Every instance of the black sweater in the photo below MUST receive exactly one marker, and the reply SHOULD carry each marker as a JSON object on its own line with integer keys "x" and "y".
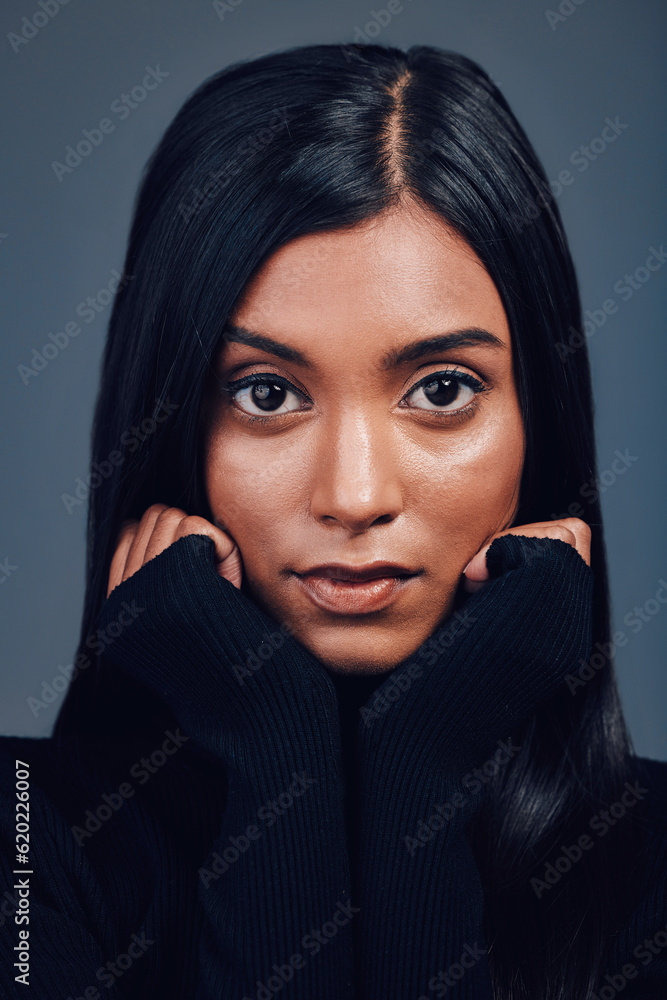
{"x": 259, "y": 846}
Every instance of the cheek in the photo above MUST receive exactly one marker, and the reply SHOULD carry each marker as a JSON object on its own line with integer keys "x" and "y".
{"x": 249, "y": 495}
{"x": 470, "y": 488}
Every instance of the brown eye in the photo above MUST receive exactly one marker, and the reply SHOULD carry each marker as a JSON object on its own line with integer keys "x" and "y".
{"x": 265, "y": 395}
{"x": 260, "y": 394}
{"x": 447, "y": 391}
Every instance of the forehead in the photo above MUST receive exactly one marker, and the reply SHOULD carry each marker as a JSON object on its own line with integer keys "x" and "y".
{"x": 396, "y": 276}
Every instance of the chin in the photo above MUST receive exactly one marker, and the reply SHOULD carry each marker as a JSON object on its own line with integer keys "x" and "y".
{"x": 358, "y": 667}
{"x": 366, "y": 656}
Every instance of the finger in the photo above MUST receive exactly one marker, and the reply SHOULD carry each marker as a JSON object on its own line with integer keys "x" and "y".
{"x": 165, "y": 531}
{"x": 477, "y": 568}
{"x": 227, "y": 555}
{"x": 168, "y": 515}
{"x": 173, "y": 523}
{"x": 583, "y": 534}
{"x": 160, "y": 526}
{"x": 119, "y": 559}
{"x": 572, "y": 530}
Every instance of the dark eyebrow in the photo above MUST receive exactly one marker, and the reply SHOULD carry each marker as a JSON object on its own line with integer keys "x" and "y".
{"x": 441, "y": 342}
{"x": 468, "y": 337}
{"x": 264, "y": 343}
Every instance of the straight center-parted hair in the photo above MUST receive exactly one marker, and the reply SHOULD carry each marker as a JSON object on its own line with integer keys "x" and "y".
{"x": 314, "y": 139}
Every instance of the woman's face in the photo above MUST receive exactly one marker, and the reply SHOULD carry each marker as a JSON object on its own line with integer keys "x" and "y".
{"x": 364, "y": 449}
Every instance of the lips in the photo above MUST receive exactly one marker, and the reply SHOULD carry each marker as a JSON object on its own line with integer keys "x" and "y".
{"x": 349, "y": 590}
{"x": 369, "y": 571}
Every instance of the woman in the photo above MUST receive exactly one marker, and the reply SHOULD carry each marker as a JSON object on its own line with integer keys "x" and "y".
{"x": 343, "y": 718}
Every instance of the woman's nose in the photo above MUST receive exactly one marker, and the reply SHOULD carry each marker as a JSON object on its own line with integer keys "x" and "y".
{"x": 356, "y": 473}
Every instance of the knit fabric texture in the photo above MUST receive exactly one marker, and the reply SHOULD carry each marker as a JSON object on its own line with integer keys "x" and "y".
{"x": 293, "y": 833}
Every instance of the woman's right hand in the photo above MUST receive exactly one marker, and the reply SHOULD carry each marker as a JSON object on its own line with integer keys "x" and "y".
{"x": 211, "y": 651}
{"x": 139, "y": 541}
{"x": 262, "y": 716}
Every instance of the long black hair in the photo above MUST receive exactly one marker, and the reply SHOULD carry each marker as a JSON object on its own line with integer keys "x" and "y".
{"x": 317, "y": 138}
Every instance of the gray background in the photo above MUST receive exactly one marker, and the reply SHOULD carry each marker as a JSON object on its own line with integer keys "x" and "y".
{"x": 60, "y": 241}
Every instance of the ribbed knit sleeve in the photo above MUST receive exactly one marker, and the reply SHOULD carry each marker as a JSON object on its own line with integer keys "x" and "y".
{"x": 212, "y": 860}
{"x": 450, "y": 708}
{"x": 275, "y": 886}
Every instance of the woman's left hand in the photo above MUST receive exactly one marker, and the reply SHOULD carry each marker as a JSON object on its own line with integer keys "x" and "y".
{"x": 570, "y": 529}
